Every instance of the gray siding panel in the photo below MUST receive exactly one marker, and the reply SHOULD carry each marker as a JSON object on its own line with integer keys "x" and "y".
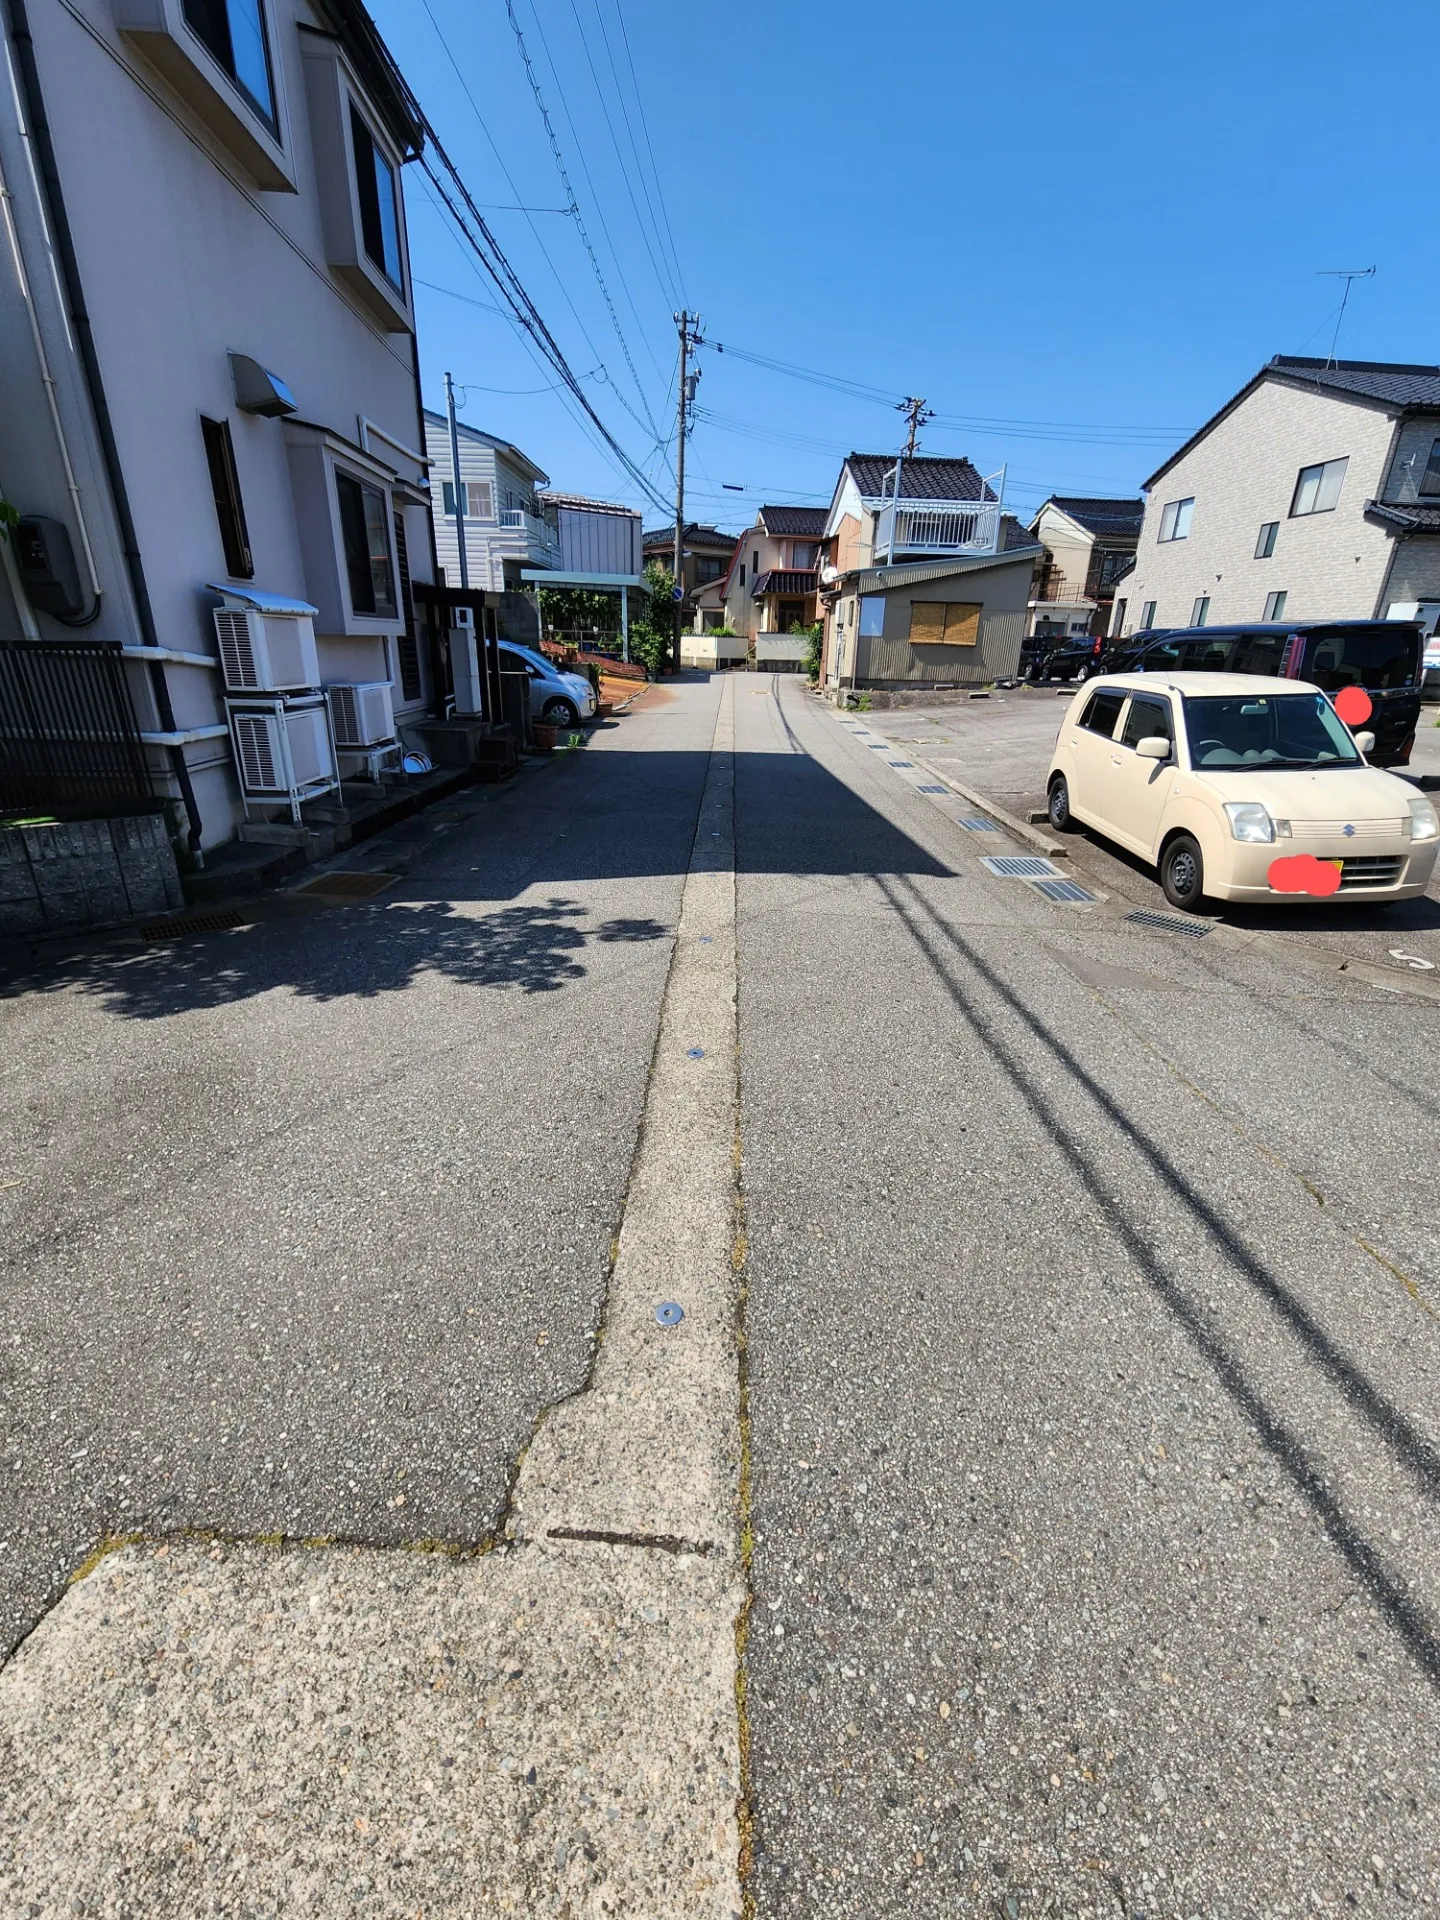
{"x": 593, "y": 542}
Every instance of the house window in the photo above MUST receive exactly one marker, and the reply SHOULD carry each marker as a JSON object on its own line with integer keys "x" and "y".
{"x": 233, "y": 31}
{"x": 1430, "y": 479}
{"x": 1200, "y": 612}
{"x": 707, "y": 567}
{"x": 944, "y": 623}
{"x": 755, "y": 563}
{"x": 229, "y": 507}
{"x": 366, "y": 533}
{"x": 872, "y": 615}
{"x": 1175, "y": 519}
{"x": 479, "y": 499}
{"x": 1265, "y": 545}
{"x": 742, "y": 573}
{"x": 802, "y": 553}
{"x": 1275, "y": 606}
{"x": 1147, "y": 615}
{"x": 1118, "y": 624}
{"x": 379, "y": 215}
{"x": 1317, "y": 489}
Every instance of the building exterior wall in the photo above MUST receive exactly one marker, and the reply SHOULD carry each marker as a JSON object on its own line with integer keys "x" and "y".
{"x": 184, "y": 259}
{"x": 1409, "y": 460}
{"x": 594, "y": 541}
{"x": 1242, "y": 474}
{"x": 1414, "y": 573}
{"x": 889, "y": 660}
{"x": 742, "y": 612}
{"x": 489, "y": 542}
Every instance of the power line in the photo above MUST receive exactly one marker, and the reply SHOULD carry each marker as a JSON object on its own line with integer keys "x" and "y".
{"x": 649, "y": 147}
{"x": 672, "y": 291}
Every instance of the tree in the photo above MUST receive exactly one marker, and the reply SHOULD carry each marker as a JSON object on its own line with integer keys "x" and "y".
{"x": 652, "y": 631}
{"x": 816, "y": 636}
{"x": 579, "y": 610}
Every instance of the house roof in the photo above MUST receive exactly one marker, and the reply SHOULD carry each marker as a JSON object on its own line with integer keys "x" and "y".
{"x": 784, "y": 580}
{"x": 581, "y": 503}
{"x": 1016, "y": 536}
{"x": 1106, "y": 519}
{"x": 1411, "y": 518}
{"x": 803, "y": 520}
{"x": 923, "y": 478}
{"x": 478, "y": 434}
{"x": 909, "y": 574}
{"x": 697, "y": 532}
{"x": 1397, "y": 386}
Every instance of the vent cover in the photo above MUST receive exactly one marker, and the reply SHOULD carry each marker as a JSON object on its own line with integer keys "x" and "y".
{"x": 237, "y": 654}
{"x": 1170, "y": 923}
{"x": 349, "y": 886}
{"x": 1063, "y": 890}
{"x": 1021, "y": 866}
{"x": 189, "y": 923}
{"x": 256, "y": 744}
{"x": 977, "y": 823}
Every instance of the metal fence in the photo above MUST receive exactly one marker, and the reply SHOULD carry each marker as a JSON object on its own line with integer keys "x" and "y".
{"x": 69, "y": 740}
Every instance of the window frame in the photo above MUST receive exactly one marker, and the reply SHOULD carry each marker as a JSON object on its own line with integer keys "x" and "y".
{"x": 967, "y": 616}
{"x": 389, "y": 615}
{"x": 1170, "y": 520}
{"x": 1275, "y": 605}
{"x": 269, "y": 119}
{"x": 1153, "y": 700}
{"x": 1320, "y": 469}
{"x": 1428, "y": 485}
{"x": 1147, "y": 615}
{"x": 1266, "y": 538}
{"x": 219, "y": 445}
{"x": 1119, "y": 696}
{"x": 165, "y": 35}
{"x": 1200, "y": 612}
{"x": 371, "y": 201}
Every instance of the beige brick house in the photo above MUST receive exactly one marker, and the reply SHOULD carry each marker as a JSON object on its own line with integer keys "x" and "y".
{"x": 1313, "y": 494}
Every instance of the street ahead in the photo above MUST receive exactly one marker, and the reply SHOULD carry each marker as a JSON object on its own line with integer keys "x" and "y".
{"x": 1090, "y": 1370}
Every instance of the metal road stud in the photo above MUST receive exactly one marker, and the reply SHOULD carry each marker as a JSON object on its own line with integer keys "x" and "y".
{"x": 669, "y": 1314}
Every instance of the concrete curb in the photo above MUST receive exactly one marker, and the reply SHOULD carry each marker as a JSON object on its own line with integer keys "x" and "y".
{"x": 1042, "y": 842}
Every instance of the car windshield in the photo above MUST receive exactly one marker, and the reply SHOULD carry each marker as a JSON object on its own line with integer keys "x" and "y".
{"x": 1379, "y": 657}
{"x": 1273, "y": 730}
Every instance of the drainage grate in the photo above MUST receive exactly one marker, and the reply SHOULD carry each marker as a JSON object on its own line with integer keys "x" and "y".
{"x": 349, "y": 886}
{"x": 1021, "y": 866}
{"x": 902, "y": 763}
{"x": 932, "y": 789}
{"x": 977, "y": 823}
{"x": 1170, "y": 923}
{"x": 190, "y": 923}
{"x": 878, "y": 746}
{"x": 1062, "y": 890}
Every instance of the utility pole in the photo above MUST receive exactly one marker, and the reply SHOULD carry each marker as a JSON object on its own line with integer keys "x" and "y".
{"x": 455, "y": 480}
{"x": 918, "y": 412}
{"x": 686, "y": 396}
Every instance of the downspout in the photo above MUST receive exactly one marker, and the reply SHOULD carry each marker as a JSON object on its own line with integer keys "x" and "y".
{"x": 44, "y": 147}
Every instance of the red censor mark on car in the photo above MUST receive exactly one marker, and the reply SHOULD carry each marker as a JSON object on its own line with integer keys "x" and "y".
{"x": 1303, "y": 873}
{"x": 1354, "y": 706}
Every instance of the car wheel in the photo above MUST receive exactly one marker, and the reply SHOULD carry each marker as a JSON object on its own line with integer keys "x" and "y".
{"x": 561, "y": 713}
{"x": 1061, "y": 818}
{"x": 1182, "y": 873}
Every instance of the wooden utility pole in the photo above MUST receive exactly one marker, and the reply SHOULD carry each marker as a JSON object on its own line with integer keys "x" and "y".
{"x": 918, "y": 412}
{"x": 684, "y": 320}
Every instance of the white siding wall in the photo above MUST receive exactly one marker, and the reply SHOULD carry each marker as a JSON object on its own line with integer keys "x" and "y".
{"x": 1243, "y": 473}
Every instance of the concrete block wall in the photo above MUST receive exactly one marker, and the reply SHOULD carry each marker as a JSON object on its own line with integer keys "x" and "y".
{"x": 86, "y": 873}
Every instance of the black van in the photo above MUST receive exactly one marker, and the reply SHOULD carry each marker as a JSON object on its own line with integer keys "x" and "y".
{"x": 1383, "y": 656}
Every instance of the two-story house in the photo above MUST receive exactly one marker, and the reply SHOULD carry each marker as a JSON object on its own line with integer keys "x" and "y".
{"x": 1313, "y": 494}
{"x": 509, "y": 525}
{"x": 1089, "y": 545}
{"x": 770, "y": 586}
{"x": 207, "y": 353}
{"x": 924, "y": 579}
{"x": 705, "y": 554}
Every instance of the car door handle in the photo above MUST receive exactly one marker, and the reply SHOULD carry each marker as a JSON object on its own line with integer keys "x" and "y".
{"x": 1116, "y": 761}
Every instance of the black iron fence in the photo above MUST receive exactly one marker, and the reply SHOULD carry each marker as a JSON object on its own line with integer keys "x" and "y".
{"x": 69, "y": 740}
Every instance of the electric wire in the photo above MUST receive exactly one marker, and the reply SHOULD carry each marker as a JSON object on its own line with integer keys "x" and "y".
{"x": 640, "y": 114}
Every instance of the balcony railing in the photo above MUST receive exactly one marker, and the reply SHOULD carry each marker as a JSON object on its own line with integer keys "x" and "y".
{"x": 536, "y": 532}
{"x": 939, "y": 527}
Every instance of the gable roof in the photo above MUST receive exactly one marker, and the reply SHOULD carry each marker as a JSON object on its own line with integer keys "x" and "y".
{"x": 698, "y": 531}
{"x": 1106, "y": 519}
{"x": 478, "y": 434}
{"x": 1396, "y": 386}
{"x": 802, "y": 520}
{"x": 923, "y": 478}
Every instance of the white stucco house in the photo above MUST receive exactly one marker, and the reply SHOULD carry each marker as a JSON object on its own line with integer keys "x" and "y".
{"x": 211, "y": 398}
{"x": 1313, "y": 494}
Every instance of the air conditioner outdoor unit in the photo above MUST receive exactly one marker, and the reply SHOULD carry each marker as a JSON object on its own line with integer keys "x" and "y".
{"x": 261, "y": 740}
{"x": 266, "y": 652}
{"x": 363, "y": 715}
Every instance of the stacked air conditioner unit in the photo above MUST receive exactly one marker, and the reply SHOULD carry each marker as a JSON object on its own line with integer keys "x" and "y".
{"x": 266, "y": 652}
{"x": 283, "y": 750}
{"x": 364, "y": 716}
{"x": 279, "y": 715}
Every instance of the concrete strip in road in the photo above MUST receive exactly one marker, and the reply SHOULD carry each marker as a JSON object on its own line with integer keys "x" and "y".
{"x": 551, "y": 1727}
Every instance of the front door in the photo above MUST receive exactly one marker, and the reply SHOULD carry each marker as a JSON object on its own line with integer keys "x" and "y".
{"x": 1136, "y": 789}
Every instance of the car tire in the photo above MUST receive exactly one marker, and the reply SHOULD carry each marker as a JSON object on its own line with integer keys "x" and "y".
{"x": 561, "y": 713}
{"x": 1060, "y": 816}
{"x": 1182, "y": 873}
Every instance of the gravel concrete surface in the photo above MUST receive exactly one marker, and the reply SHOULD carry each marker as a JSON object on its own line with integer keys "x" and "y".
{"x": 1094, "y": 1385}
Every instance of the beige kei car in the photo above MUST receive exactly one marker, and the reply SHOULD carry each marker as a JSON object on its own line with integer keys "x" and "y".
{"x": 1238, "y": 787}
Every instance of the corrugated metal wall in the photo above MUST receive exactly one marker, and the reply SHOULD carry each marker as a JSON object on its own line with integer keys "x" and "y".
{"x": 1002, "y": 592}
{"x": 593, "y": 542}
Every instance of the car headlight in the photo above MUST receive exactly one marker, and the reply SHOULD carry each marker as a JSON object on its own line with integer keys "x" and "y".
{"x": 1249, "y": 820}
{"x": 1423, "y": 822}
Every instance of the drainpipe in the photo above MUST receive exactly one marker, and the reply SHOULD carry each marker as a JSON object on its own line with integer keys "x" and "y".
{"x": 44, "y": 147}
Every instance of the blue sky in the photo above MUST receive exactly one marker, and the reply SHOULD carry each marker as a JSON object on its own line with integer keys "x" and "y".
{"x": 1076, "y": 229}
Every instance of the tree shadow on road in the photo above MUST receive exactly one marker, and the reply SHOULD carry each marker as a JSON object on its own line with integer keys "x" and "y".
{"x": 355, "y": 952}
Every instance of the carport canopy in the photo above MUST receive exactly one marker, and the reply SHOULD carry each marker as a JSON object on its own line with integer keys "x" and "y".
{"x": 620, "y": 583}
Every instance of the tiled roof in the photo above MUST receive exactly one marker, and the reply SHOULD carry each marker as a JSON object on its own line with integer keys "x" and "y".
{"x": 784, "y": 580}
{"x": 1015, "y": 534}
{"x": 802, "y": 520}
{"x": 1107, "y": 519}
{"x": 1411, "y": 518}
{"x": 921, "y": 478}
{"x": 696, "y": 531}
{"x": 1397, "y": 382}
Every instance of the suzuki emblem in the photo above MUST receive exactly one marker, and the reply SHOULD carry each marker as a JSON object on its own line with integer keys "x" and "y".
{"x": 1349, "y": 832}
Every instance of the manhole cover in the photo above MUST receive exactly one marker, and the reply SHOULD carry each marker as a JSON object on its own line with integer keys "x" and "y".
{"x": 349, "y": 886}
{"x": 190, "y": 923}
{"x": 1021, "y": 866}
{"x": 1062, "y": 890}
{"x": 977, "y": 823}
{"x": 1170, "y": 923}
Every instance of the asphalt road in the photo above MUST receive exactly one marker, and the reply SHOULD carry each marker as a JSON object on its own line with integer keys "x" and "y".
{"x": 304, "y": 1224}
{"x": 1094, "y": 1385}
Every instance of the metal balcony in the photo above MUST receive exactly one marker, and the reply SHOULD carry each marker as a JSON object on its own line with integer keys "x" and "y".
{"x": 939, "y": 529}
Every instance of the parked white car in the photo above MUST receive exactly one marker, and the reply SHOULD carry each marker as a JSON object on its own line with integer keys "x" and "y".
{"x": 1239, "y": 787}
{"x": 557, "y": 698}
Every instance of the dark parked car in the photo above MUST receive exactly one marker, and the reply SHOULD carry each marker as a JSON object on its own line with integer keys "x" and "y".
{"x": 1382, "y": 656}
{"x": 1059, "y": 656}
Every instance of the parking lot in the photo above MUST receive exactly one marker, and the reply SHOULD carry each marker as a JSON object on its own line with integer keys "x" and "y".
{"x": 1000, "y": 747}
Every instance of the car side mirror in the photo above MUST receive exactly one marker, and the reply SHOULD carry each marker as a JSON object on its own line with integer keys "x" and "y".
{"x": 1154, "y": 747}
{"x": 1365, "y": 741}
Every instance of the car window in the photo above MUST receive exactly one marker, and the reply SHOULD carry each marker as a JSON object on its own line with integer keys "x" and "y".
{"x": 1267, "y": 731}
{"x": 1145, "y": 720}
{"x": 1210, "y": 655}
{"x": 1164, "y": 657}
{"x": 1376, "y": 657}
{"x": 1102, "y": 710}
{"x": 1258, "y": 653}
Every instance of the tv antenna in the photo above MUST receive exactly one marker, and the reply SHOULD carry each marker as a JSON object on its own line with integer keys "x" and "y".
{"x": 1349, "y": 275}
